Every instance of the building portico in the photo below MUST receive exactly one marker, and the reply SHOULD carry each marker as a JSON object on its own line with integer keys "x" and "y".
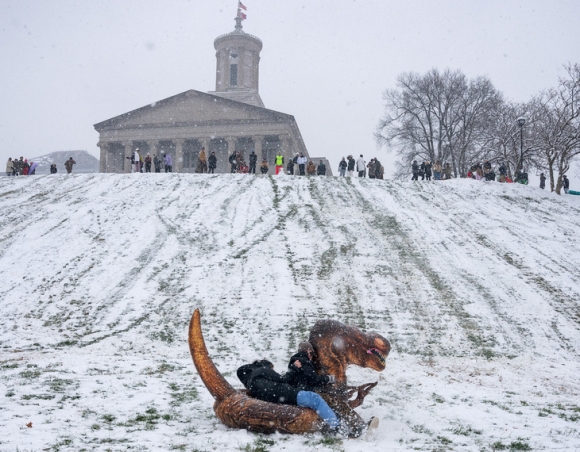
{"x": 231, "y": 118}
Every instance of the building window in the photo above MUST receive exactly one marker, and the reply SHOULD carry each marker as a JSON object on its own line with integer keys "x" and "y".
{"x": 233, "y": 75}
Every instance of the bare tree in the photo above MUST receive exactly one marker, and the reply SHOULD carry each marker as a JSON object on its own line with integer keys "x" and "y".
{"x": 438, "y": 116}
{"x": 556, "y": 129}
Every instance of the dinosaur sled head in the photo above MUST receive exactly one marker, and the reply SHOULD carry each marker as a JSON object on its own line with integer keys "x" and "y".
{"x": 338, "y": 345}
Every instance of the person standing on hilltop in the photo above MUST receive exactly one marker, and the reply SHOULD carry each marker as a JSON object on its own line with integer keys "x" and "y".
{"x": 302, "y": 164}
{"x": 437, "y": 168}
{"x": 69, "y": 165}
{"x": 233, "y": 161}
{"x": 542, "y": 181}
{"x": 565, "y": 183}
{"x": 253, "y": 162}
{"x": 53, "y": 169}
{"x": 428, "y": 170}
{"x": 137, "y": 161}
{"x": 156, "y": 163}
{"x": 422, "y": 171}
{"x": 9, "y": 166}
{"x": 447, "y": 171}
{"x": 415, "y": 169}
{"x": 321, "y": 169}
{"x": 350, "y": 166}
{"x": 502, "y": 172}
{"x": 342, "y": 167}
{"x": 168, "y": 163}
{"x": 290, "y": 167}
{"x": 25, "y": 167}
{"x": 279, "y": 162}
{"x": 371, "y": 167}
{"x": 148, "y": 163}
{"x": 361, "y": 166}
{"x": 379, "y": 169}
{"x": 18, "y": 165}
{"x": 201, "y": 162}
{"x": 212, "y": 160}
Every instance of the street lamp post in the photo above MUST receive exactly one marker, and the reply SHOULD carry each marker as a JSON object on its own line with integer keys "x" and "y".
{"x": 521, "y": 122}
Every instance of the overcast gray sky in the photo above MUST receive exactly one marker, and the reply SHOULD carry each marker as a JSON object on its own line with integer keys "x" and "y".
{"x": 68, "y": 64}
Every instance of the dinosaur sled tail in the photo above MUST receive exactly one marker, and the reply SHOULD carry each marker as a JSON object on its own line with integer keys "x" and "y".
{"x": 213, "y": 380}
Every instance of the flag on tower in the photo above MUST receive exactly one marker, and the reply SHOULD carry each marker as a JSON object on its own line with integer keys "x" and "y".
{"x": 241, "y": 6}
{"x": 241, "y": 15}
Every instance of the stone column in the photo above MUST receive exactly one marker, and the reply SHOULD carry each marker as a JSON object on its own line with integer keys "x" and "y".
{"x": 153, "y": 151}
{"x": 231, "y": 144}
{"x": 231, "y": 148}
{"x": 258, "y": 147}
{"x": 152, "y": 148}
{"x": 103, "y": 167}
{"x": 178, "y": 156}
{"x": 128, "y": 151}
{"x": 285, "y": 147}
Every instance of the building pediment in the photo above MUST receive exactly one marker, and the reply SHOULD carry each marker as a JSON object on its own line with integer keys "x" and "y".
{"x": 192, "y": 108}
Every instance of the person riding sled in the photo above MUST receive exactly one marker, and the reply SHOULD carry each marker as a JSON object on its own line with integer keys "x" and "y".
{"x": 302, "y": 375}
{"x": 263, "y": 383}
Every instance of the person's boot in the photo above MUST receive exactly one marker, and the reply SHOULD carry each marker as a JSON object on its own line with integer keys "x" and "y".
{"x": 373, "y": 424}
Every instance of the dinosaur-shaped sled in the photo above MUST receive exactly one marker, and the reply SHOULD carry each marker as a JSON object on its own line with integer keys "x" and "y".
{"x": 336, "y": 345}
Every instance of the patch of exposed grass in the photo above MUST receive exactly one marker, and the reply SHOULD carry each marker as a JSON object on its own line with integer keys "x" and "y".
{"x": 181, "y": 395}
{"x": 261, "y": 444}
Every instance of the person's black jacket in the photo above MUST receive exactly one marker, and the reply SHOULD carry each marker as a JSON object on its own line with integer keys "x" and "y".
{"x": 351, "y": 163}
{"x": 342, "y": 165}
{"x": 253, "y": 159}
{"x": 268, "y": 385}
{"x": 305, "y": 377}
{"x": 415, "y": 168}
{"x": 53, "y": 169}
{"x": 566, "y": 183}
{"x": 232, "y": 159}
{"x": 212, "y": 160}
{"x": 321, "y": 170}
{"x": 428, "y": 169}
{"x": 502, "y": 170}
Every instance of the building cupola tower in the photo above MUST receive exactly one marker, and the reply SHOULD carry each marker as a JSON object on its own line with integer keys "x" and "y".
{"x": 238, "y": 66}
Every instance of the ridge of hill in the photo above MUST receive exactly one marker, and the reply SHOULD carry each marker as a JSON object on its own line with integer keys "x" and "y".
{"x": 476, "y": 285}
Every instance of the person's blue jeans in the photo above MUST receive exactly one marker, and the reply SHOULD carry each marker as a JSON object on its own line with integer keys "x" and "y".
{"x": 315, "y": 402}
{"x": 342, "y": 172}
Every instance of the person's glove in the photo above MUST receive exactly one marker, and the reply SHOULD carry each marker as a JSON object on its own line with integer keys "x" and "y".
{"x": 331, "y": 379}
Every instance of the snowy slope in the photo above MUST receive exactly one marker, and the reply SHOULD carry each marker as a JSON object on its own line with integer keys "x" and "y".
{"x": 477, "y": 286}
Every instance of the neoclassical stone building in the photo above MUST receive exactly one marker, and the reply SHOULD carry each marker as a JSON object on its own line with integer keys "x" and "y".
{"x": 231, "y": 117}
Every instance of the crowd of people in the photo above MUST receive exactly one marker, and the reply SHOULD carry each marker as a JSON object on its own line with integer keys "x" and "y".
{"x": 348, "y": 165}
{"x": 22, "y": 167}
{"x": 147, "y": 164}
{"x": 479, "y": 171}
{"x": 299, "y": 164}
{"x": 426, "y": 170}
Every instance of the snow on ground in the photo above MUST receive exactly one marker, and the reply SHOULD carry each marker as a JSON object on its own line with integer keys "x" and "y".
{"x": 477, "y": 286}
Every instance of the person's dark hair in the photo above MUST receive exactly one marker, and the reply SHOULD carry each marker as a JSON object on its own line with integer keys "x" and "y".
{"x": 305, "y": 347}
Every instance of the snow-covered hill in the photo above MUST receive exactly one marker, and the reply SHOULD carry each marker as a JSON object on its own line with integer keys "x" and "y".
{"x": 477, "y": 286}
